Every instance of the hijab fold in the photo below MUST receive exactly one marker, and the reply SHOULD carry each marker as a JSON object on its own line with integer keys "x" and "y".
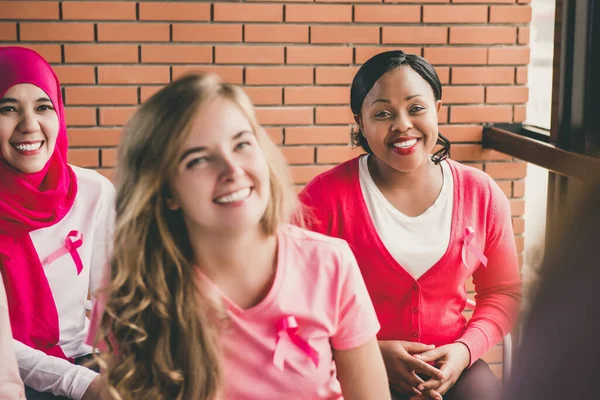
{"x": 29, "y": 202}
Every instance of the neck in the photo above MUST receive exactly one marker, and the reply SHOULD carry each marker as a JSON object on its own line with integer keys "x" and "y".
{"x": 389, "y": 178}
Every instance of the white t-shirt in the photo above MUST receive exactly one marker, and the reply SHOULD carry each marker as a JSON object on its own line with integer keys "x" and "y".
{"x": 416, "y": 243}
{"x": 93, "y": 215}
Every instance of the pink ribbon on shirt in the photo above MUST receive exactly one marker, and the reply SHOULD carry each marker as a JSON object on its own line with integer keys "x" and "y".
{"x": 72, "y": 242}
{"x": 287, "y": 328}
{"x": 471, "y": 247}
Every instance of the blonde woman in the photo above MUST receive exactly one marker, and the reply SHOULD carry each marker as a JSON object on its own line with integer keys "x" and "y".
{"x": 213, "y": 294}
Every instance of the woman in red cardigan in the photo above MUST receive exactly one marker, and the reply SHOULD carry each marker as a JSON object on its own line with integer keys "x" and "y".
{"x": 420, "y": 225}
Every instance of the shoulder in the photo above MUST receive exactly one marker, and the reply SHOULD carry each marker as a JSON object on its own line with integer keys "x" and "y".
{"x": 338, "y": 179}
{"x": 475, "y": 180}
{"x": 91, "y": 182}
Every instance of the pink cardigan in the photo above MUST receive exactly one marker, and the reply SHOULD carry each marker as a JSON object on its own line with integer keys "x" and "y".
{"x": 11, "y": 386}
{"x": 430, "y": 309}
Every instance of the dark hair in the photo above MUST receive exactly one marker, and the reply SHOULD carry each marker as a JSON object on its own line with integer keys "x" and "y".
{"x": 373, "y": 69}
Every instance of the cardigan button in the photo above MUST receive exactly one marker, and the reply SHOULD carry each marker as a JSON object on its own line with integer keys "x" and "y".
{"x": 415, "y": 310}
{"x": 416, "y": 286}
{"x": 416, "y": 334}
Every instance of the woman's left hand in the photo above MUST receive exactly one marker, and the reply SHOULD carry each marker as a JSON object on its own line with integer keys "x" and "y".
{"x": 451, "y": 359}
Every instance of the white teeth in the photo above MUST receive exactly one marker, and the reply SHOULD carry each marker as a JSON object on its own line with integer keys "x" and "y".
{"x": 405, "y": 144}
{"x": 233, "y": 197}
{"x": 27, "y": 147}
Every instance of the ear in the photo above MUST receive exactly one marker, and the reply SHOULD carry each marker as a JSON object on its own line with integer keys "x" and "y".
{"x": 172, "y": 204}
{"x": 438, "y": 107}
{"x": 358, "y": 120}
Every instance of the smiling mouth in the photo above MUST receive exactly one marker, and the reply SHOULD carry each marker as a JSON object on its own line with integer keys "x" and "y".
{"x": 234, "y": 197}
{"x": 26, "y": 147}
{"x": 405, "y": 144}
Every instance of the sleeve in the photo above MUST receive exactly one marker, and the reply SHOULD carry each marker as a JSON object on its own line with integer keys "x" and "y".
{"x": 314, "y": 207}
{"x": 497, "y": 286}
{"x": 11, "y": 386}
{"x": 51, "y": 374}
{"x": 357, "y": 322}
{"x": 103, "y": 237}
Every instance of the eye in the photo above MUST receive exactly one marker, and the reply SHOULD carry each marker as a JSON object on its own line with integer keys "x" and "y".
{"x": 7, "y": 109}
{"x": 45, "y": 107}
{"x": 197, "y": 161}
{"x": 382, "y": 114}
{"x": 416, "y": 109}
{"x": 242, "y": 145}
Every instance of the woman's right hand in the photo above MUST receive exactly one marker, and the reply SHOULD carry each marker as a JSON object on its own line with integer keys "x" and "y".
{"x": 402, "y": 367}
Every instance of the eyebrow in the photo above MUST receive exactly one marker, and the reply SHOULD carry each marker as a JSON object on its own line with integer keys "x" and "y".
{"x": 407, "y": 98}
{"x": 11, "y": 100}
{"x": 203, "y": 148}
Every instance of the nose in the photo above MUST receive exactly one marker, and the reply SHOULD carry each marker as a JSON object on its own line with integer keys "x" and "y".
{"x": 231, "y": 169}
{"x": 28, "y": 123}
{"x": 402, "y": 123}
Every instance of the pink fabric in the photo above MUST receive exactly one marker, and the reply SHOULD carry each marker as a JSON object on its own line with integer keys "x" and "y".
{"x": 430, "y": 309}
{"x": 29, "y": 202}
{"x": 11, "y": 386}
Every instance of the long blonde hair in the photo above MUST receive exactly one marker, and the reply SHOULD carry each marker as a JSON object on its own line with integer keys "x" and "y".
{"x": 159, "y": 327}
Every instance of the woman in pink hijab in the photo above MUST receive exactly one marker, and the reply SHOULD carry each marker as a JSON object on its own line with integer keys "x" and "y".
{"x": 55, "y": 226}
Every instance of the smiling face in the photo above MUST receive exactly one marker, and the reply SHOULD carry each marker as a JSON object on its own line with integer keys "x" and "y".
{"x": 29, "y": 127}
{"x": 222, "y": 181}
{"x": 399, "y": 119}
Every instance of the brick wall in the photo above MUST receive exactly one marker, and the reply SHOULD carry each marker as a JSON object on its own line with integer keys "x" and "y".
{"x": 295, "y": 59}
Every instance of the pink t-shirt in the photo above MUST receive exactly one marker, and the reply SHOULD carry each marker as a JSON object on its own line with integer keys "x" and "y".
{"x": 317, "y": 282}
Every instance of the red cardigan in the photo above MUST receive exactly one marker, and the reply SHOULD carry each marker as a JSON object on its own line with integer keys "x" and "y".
{"x": 430, "y": 309}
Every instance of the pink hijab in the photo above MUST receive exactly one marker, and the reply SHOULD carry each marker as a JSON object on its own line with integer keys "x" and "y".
{"x": 29, "y": 202}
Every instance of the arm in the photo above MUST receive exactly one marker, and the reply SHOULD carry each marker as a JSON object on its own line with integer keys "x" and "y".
{"x": 11, "y": 387}
{"x": 361, "y": 372}
{"x": 497, "y": 286}
{"x": 315, "y": 215}
{"x": 51, "y": 374}
{"x": 103, "y": 236}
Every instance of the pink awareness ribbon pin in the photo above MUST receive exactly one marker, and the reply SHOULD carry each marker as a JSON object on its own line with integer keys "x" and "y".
{"x": 73, "y": 241}
{"x": 470, "y": 246}
{"x": 287, "y": 328}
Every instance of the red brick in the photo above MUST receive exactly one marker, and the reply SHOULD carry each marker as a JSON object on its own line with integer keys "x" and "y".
{"x": 265, "y": 95}
{"x": 520, "y": 113}
{"x": 56, "y": 31}
{"x": 517, "y": 207}
{"x": 463, "y": 94}
{"x": 8, "y": 31}
{"x": 94, "y": 95}
{"x": 241, "y": 12}
{"x": 506, "y": 94}
{"x": 276, "y": 134}
{"x": 133, "y": 74}
{"x": 474, "y": 152}
{"x": 227, "y": 73}
{"x": 344, "y": 34}
{"x": 24, "y": 10}
{"x": 211, "y": 33}
{"x": 319, "y": 55}
{"x": 279, "y": 33}
{"x": 51, "y": 52}
{"x": 483, "y": 35}
{"x": 481, "y": 75}
{"x": 334, "y": 115}
{"x": 170, "y": 11}
{"x": 456, "y": 55}
{"x": 299, "y": 154}
{"x": 462, "y": 133}
{"x": 116, "y": 116}
{"x": 148, "y": 91}
{"x": 337, "y": 154}
{"x": 387, "y": 14}
{"x": 279, "y": 75}
{"x": 108, "y": 157}
{"x": 80, "y": 116}
{"x": 108, "y": 173}
{"x": 415, "y": 34}
{"x": 98, "y": 10}
{"x": 443, "y": 74}
{"x": 519, "y": 188}
{"x": 85, "y": 158}
{"x": 318, "y": 13}
{"x": 179, "y": 54}
{"x": 510, "y": 14}
{"x": 284, "y": 115}
{"x": 317, "y": 135}
{"x": 506, "y": 187}
{"x": 335, "y": 75}
{"x": 522, "y": 73}
{"x": 317, "y": 95}
{"x": 249, "y": 55}
{"x": 412, "y": 1}
{"x": 346, "y": 1}
{"x": 69, "y": 74}
{"x": 133, "y": 32}
{"x": 482, "y": 1}
{"x": 518, "y": 225}
{"x": 101, "y": 53}
{"x": 443, "y": 115}
{"x": 455, "y": 14}
{"x": 506, "y": 170}
{"x": 523, "y": 35}
{"x": 470, "y": 114}
{"x": 363, "y": 53}
{"x": 305, "y": 173}
{"x": 509, "y": 55}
